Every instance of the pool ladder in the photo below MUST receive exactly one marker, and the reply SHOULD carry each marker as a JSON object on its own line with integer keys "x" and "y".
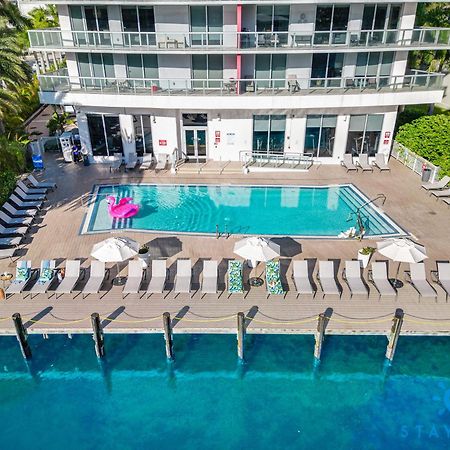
{"x": 225, "y": 233}
{"x": 358, "y": 210}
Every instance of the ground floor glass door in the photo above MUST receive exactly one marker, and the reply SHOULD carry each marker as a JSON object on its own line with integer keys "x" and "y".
{"x": 195, "y": 143}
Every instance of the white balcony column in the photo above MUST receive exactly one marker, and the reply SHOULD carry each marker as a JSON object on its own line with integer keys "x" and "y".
{"x": 229, "y": 26}
{"x": 115, "y": 25}
{"x": 83, "y": 130}
{"x": 407, "y": 20}
{"x": 72, "y": 69}
{"x": 340, "y": 138}
{"x": 387, "y": 133}
{"x": 355, "y": 17}
{"x": 128, "y": 137}
{"x": 65, "y": 26}
{"x": 399, "y": 67}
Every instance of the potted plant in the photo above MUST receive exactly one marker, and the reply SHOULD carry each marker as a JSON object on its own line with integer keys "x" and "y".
{"x": 364, "y": 255}
{"x": 143, "y": 254}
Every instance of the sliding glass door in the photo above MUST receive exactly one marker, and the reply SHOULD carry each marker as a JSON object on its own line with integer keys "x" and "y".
{"x": 269, "y": 134}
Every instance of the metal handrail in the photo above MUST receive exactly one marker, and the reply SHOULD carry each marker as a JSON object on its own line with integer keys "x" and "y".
{"x": 173, "y": 40}
{"x": 360, "y": 208}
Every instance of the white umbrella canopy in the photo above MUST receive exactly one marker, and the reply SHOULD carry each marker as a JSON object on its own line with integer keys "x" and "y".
{"x": 257, "y": 249}
{"x": 115, "y": 249}
{"x": 402, "y": 250}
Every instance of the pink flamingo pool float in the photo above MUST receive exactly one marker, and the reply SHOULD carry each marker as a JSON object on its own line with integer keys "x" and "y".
{"x": 123, "y": 209}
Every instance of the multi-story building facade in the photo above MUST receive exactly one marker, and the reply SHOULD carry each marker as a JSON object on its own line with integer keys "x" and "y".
{"x": 219, "y": 79}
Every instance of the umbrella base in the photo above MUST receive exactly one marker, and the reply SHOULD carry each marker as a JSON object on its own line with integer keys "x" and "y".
{"x": 396, "y": 283}
{"x": 119, "y": 281}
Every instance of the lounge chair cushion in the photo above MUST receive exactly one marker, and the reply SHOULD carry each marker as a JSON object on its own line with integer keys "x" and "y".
{"x": 46, "y": 275}
{"x": 22, "y": 274}
{"x": 235, "y": 277}
{"x": 273, "y": 278}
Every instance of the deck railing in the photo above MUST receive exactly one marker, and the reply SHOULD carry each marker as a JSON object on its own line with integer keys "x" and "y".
{"x": 415, "y": 162}
{"x": 175, "y": 40}
{"x": 60, "y": 81}
{"x": 299, "y": 161}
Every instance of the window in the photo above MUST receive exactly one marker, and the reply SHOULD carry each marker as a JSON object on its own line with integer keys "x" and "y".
{"x": 375, "y": 67}
{"x": 143, "y": 66}
{"x": 272, "y": 19}
{"x": 138, "y": 23}
{"x": 206, "y": 25}
{"x": 319, "y": 138}
{"x": 143, "y": 135}
{"x": 380, "y": 17}
{"x": 331, "y": 18}
{"x": 364, "y": 134}
{"x": 104, "y": 132}
{"x": 90, "y": 24}
{"x": 96, "y": 68}
{"x": 208, "y": 69}
{"x": 270, "y": 70}
{"x": 268, "y": 134}
{"x": 327, "y": 69}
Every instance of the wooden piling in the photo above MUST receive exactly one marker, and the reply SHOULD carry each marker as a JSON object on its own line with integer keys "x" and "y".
{"x": 319, "y": 336}
{"x": 22, "y": 336}
{"x": 240, "y": 335}
{"x": 98, "y": 335}
{"x": 395, "y": 333}
{"x": 168, "y": 335}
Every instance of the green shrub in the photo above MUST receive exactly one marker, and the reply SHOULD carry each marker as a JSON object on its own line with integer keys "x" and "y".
{"x": 7, "y": 184}
{"x": 429, "y": 137}
{"x": 12, "y": 156}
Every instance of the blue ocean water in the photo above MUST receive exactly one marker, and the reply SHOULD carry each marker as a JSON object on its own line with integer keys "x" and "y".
{"x": 283, "y": 211}
{"x": 67, "y": 400}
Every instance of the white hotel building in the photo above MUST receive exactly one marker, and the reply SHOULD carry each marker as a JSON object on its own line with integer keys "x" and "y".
{"x": 222, "y": 80}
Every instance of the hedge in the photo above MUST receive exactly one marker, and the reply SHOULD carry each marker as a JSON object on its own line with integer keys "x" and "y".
{"x": 429, "y": 137}
{"x": 12, "y": 163}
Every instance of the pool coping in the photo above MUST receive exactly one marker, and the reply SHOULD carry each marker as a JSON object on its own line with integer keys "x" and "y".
{"x": 83, "y": 230}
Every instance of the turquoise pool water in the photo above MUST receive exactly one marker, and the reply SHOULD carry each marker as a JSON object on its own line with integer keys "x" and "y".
{"x": 206, "y": 400}
{"x": 283, "y": 211}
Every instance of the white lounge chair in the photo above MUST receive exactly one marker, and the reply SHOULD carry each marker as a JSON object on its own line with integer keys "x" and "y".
{"x": 134, "y": 279}
{"x": 41, "y": 184}
{"x": 46, "y": 277}
{"x": 209, "y": 277}
{"x": 7, "y": 253}
{"x": 446, "y": 200}
{"x": 302, "y": 281}
{"x": 352, "y": 276}
{"x": 96, "y": 278}
{"x": 25, "y": 221}
{"x": 10, "y": 242}
{"x": 443, "y": 193}
{"x": 71, "y": 277}
{"x": 131, "y": 163}
{"x": 161, "y": 162}
{"x": 363, "y": 162}
{"x": 183, "y": 277}
{"x": 442, "y": 277}
{"x": 19, "y": 212}
{"x": 31, "y": 191}
{"x": 25, "y": 204}
{"x": 116, "y": 162}
{"x": 327, "y": 279}
{"x": 147, "y": 161}
{"x": 24, "y": 274}
{"x": 13, "y": 230}
{"x": 347, "y": 162}
{"x": 159, "y": 277}
{"x": 441, "y": 184}
{"x": 417, "y": 277}
{"x": 380, "y": 162}
{"x": 28, "y": 197}
{"x": 378, "y": 276}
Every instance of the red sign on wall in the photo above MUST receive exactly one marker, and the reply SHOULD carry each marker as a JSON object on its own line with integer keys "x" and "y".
{"x": 162, "y": 142}
{"x": 387, "y": 134}
{"x": 217, "y": 137}
{"x": 386, "y": 141}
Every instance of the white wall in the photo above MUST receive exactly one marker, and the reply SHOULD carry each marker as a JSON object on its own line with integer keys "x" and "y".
{"x": 295, "y": 133}
{"x": 128, "y": 137}
{"x": 83, "y": 129}
{"x": 387, "y": 133}
{"x": 176, "y": 68}
{"x": 300, "y": 66}
{"x": 302, "y": 18}
{"x": 229, "y": 25}
{"x": 164, "y": 128}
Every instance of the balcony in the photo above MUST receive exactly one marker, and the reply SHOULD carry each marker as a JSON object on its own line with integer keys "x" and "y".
{"x": 248, "y": 42}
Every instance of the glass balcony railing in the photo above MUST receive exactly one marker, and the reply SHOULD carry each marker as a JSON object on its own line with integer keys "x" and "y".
{"x": 416, "y": 80}
{"x": 420, "y": 37}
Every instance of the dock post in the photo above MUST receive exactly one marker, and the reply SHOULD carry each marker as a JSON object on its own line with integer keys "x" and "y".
{"x": 98, "y": 335}
{"x": 240, "y": 335}
{"x": 319, "y": 336}
{"x": 395, "y": 333}
{"x": 168, "y": 335}
{"x": 21, "y": 336}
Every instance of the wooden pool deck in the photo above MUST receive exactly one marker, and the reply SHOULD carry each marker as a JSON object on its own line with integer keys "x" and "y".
{"x": 56, "y": 236}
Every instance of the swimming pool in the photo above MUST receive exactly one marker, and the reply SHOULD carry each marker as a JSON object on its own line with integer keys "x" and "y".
{"x": 300, "y": 211}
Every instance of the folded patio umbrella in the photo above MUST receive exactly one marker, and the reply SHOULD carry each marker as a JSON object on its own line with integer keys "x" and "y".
{"x": 116, "y": 249}
{"x": 402, "y": 250}
{"x": 257, "y": 249}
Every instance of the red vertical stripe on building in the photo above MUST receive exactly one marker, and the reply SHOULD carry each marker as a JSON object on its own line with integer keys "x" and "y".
{"x": 238, "y": 56}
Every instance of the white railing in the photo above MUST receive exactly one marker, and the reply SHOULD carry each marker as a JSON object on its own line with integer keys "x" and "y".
{"x": 415, "y": 162}
{"x": 299, "y": 161}
{"x": 175, "y": 40}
